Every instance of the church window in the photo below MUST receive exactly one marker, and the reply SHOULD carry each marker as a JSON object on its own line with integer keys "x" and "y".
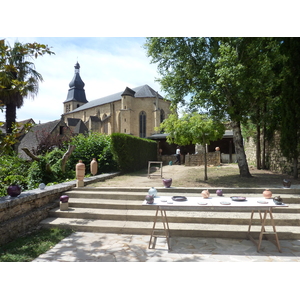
{"x": 142, "y": 124}
{"x": 162, "y": 115}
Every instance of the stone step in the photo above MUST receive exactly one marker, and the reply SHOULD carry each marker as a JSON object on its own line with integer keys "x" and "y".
{"x": 176, "y": 229}
{"x": 134, "y": 204}
{"x": 205, "y": 217}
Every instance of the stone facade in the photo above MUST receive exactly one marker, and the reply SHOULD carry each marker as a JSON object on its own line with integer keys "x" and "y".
{"x": 136, "y": 111}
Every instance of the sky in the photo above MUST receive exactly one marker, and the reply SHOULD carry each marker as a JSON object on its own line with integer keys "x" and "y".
{"x": 107, "y": 40}
{"x": 107, "y": 65}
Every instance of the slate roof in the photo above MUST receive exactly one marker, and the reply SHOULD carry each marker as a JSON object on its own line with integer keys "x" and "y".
{"x": 30, "y": 141}
{"x": 144, "y": 91}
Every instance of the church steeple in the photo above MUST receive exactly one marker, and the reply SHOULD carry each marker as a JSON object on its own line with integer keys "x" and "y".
{"x": 76, "y": 94}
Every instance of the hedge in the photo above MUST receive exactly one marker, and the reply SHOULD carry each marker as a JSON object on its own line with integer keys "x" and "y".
{"x": 132, "y": 153}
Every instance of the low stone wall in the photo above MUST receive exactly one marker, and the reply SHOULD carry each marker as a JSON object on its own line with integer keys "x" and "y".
{"x": 213, "y": 158}
{"x": 21, "y": 214}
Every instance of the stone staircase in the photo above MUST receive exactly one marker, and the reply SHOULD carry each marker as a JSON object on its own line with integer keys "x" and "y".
{"x": 120, "y": 210}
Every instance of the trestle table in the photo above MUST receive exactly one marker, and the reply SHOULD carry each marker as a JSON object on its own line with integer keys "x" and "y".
{"x": 252, "y": 204}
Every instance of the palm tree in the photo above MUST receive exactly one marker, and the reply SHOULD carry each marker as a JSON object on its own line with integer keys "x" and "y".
{"x": 18, "y": 77}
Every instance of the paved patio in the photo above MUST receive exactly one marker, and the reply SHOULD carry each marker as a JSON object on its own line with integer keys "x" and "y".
{"x": 101, "y": 247}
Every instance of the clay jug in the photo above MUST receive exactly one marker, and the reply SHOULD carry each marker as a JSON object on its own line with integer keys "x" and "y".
{"x": 80, "y": 170}
{"x": 205, "y": 194}
{"x": 267, "y": 194}
{"x": 94, "y": 166}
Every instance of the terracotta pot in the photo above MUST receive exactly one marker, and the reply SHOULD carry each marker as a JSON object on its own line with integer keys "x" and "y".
{"x": 94, "y": 166}
{"x": 14, "y": 190}
{"x": 80, "y": 170}
{"x": 205, "y": 194}
{"x": 167, "y": 182}
{"x": 267, "y": 194}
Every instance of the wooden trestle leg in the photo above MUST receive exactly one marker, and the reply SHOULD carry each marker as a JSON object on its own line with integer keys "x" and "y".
{"x": 263, "y": 232}
{"x": 166, "y": 229}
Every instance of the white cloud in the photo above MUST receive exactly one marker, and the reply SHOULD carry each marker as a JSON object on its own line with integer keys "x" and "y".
{"x": 107, "y": 66}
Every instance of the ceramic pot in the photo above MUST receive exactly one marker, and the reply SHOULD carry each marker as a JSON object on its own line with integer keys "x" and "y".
{"x": 14, "y": 190}
{"x": 205, "y": 194}
{"x": 152, "y": 191}
{"x": 217, "y": 148}
{"x": 149, "y": 199}
{"x": 287, "y": 183}
{"x": 94, "y": 166}
{"x": 219, "y": 192}
{"x": 42, "y": 186}
{"x": 80, "y": 170}
{"x": 167, "y": 182}
{"x": 267, "y": 194}
{"x": 64, "y": 199}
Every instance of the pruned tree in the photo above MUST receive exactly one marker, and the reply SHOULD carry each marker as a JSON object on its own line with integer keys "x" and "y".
{"x": 193, "y": 128}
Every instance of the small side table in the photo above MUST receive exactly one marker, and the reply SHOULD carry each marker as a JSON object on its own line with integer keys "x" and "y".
{"x": 155, "y": 162}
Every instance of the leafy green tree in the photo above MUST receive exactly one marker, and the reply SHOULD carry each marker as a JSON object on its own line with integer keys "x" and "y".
{"x": 216, "y": 75}
{"x": 290, "y": 101}
{"x": 193, "y": 128}
{"x": 18, "y": 77}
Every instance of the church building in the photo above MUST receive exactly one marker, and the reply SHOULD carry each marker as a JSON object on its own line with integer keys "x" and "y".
{"x": 136, "y": 111}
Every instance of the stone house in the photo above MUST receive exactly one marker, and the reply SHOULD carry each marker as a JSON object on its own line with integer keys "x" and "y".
{"x": 135, "y": 111}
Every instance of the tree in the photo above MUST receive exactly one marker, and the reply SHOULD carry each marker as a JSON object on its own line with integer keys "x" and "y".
{"x": 216, "y": 74}
{"x": 290, "y": 101}
{"x": 18, "y": 77}
{"x": 193, "y": 128}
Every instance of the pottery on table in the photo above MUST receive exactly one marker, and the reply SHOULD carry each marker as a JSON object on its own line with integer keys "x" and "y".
{"x": 267, "y": 194}
{"x": 149, "y": 199}
{"x": 205, "y": 194}
{"x": 219, "y": 192}
{"x": 152, "y": 191}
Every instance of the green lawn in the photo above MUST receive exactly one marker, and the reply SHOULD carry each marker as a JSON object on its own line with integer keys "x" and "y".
{"x": 28, "y": 247}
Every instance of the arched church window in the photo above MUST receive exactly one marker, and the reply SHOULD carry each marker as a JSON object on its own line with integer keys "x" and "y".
{"x": 162, "y": 115}
{"x": 142, "y": 124}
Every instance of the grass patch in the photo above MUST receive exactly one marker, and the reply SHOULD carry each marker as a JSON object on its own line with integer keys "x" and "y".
{"x": 29, "y": 247}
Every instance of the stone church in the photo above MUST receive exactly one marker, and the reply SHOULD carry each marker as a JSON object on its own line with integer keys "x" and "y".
{"x": 136, "y": 111}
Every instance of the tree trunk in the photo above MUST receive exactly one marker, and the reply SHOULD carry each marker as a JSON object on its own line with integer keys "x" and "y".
{"x": 65, "y": 157}
{"x": 240, "y": 150}
{"x": 10, "y": 116}
{"x": 258, "y": 148}
{"x": 205, "y": 163}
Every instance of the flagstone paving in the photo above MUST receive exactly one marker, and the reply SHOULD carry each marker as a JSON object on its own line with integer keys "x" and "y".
{"x": 102, "y": 247}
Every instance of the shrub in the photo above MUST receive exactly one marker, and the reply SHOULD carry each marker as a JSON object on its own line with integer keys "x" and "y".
{"x": 94, "y": 145}
{"x": 13, "y": 170}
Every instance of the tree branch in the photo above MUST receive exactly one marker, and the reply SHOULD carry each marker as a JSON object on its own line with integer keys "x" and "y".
{"x": 31, "y": 155}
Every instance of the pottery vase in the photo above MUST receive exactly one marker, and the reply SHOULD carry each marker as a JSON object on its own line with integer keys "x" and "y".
{"x": 80, "y": 170}
{"x": 167, "y": 182}
{"x": 152, "y": 191}
{"x": 42, "y": 186}
{"x": 287, "y": 183}
{"x": 94, "y": 166}
{"x": 205, "y": 194}
{"x": 64, "y": 198}
{"x": 149, "y": 199}
{"x": 14, "y": 190}
{"x": 219, "y": 193}
{"x": 267, "y": 194}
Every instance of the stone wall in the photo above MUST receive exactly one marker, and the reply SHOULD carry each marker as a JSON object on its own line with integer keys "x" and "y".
{"x": 275, "y": 161}
{"x": 21, "y": 214}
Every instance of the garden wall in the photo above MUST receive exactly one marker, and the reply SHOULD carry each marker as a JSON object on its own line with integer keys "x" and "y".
{"x": 21, "y": 214}
{"x": 213, "y": 158}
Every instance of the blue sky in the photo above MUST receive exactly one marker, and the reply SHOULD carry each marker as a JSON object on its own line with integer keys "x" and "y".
{"x": 107, "y": 65}
{"x": 112, "y": 57}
